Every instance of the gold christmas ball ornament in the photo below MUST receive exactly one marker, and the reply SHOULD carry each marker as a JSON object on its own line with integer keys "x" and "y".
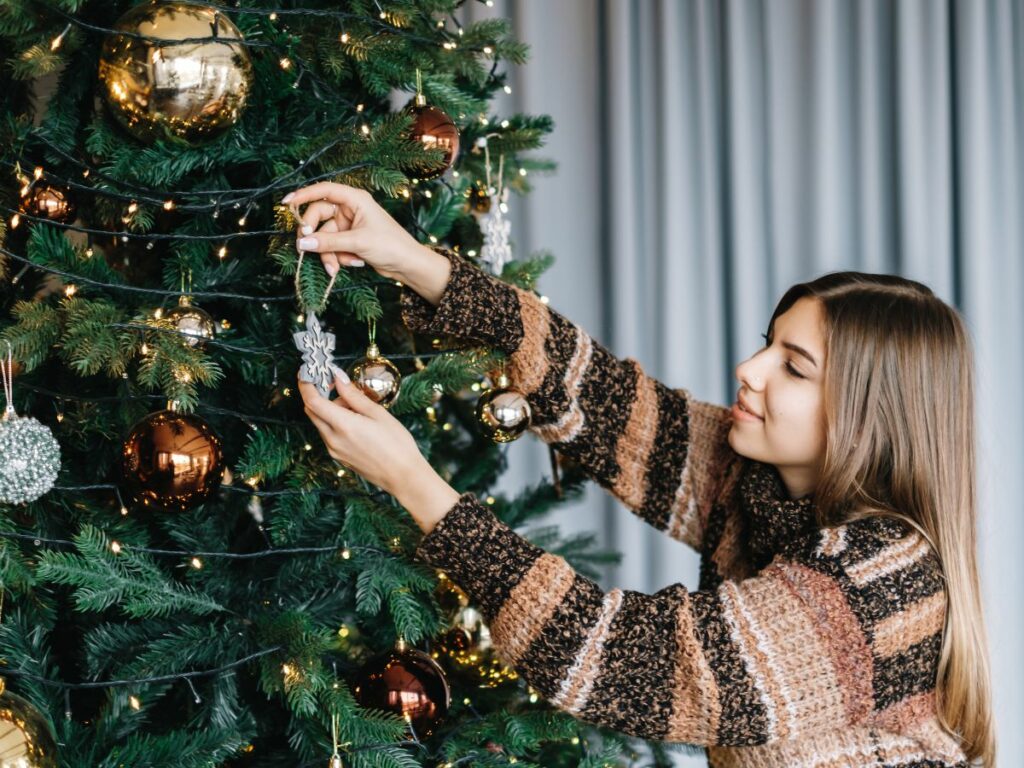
{"x": 479, "y": 199}
{"x": 502, "y": 413}
{"x": 50, "y": 202}
{"x": 434, "y": 130}
{"x": 171, "y": 461}
{"x": 407, "y": 682}
{"x": 377, "y": 376}
{"x": 25, "y": 734}
{"x": 195, "y": 323}
{"x": 157, "y": 85}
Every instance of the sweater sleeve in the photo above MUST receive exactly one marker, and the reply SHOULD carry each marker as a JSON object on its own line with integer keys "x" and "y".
{"x": 660, "y": 451}
{"x": 815, "y": 642}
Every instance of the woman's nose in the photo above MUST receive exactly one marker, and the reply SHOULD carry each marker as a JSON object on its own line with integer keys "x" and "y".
{"x": 747, "y": 374}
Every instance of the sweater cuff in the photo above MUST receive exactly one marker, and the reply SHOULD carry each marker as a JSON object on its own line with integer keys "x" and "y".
{"x": 474, "y": 306}
{"x": 478, "y": 552}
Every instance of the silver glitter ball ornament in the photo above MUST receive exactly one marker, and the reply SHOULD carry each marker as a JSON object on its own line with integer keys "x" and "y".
{"x": 29, "y": 459}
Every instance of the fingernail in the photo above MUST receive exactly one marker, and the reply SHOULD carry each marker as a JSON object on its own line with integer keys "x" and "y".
{"x": 306, "y": 229}
{"x": 307, "y": 243}
{"x": 357, "y": 263}
{"x": 331, "y": 269}
{"x": 287, "y": 197}
{"x": 341, "y": 374}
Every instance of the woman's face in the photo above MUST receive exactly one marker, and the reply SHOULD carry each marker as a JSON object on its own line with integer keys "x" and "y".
{"x": 779, "y": 416}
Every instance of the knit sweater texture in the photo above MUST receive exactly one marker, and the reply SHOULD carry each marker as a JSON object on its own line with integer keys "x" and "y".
{"x": 803, "y": 646}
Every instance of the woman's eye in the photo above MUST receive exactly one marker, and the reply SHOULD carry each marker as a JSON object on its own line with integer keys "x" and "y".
{"x": 794, "y": 371}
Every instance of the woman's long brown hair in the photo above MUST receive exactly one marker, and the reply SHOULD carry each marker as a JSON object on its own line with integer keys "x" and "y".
{"x": 899, "y": 409}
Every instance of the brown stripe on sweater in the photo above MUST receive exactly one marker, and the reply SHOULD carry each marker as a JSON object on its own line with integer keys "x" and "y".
{"x": 639, "y": 656}
{"x": 530, "y": 606}
{"x": 528, "y": 366}
{"x": 893, "y": 592}
{"x": 743, "y": 719}
{"x": 578, "y": 683}
{"x": 841, "y": 633}
{"x": 708, "y": 458}
{"x": 907, "y": 673}
{"x": 546, "y": 662}
{"x": 551, "y": 399}
{"x": 845, "y": 748}
{"x": 696, "y": 710}
{"x": 565, "y": 427}
{"x": 668, "y": 456}
{"x": 633, "y": 450}
{"x": 896, "y": 633}
{"x": 897, "y": 556}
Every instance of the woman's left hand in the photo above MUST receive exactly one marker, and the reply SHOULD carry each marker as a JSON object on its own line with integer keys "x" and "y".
{"x": 363, "y": 435}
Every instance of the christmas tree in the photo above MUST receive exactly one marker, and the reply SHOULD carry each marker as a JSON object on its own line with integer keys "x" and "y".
{"x": 189, "y": 579}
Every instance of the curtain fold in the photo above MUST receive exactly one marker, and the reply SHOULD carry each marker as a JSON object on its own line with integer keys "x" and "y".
{"x": 711, "y": 153}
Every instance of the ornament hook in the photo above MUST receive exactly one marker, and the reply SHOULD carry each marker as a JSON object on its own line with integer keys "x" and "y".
{"x": 7, "y": 373}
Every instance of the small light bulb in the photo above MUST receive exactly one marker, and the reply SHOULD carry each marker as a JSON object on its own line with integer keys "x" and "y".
{"x": 307, "y": 447}
{"x": 273, "y": 17}
{"x": 124, "y": 511}
{"x": 346, "y": 554}
{"x": 341, "y": 473}
{"x": 343, "y": 631}
{"x": 300, "y": 318}
{"x": 223, "y": 251}
{"x": 134, "y": 701}
{"x": 60, "y": 417}
{"x": 197, "y": 563}
{"x": 115, "y": 547}
{"x": 432, "y": 239}
{"x": 507, "y": 89}
{"x": 133, "y": 207}
{"x": 544, "y": 299}
{"x": 490, "y": 500}
{"x": 488, "y": 50}
{"x": 38, "y": 172}
{"x": 366, "y": 129}
{"x": 427, "y": 193}
{"x": 241, "y": 222}
{"x": 504, "y": 123}
{"x": 70, "y": 290}
{"x": 285, "y": 63}
{"x": 168, "y": 205}
{"x": 89, "y": 252}
{"x": 158, "y": 313}
{"x": 15, "y": 220}
{"x": 344, "y": 37}
{"x": 144, "y": 349}
{"x": 522, "y": 171}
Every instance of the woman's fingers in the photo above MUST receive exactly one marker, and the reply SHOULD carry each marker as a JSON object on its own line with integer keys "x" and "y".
{"x": 315, "y": 213}
{"x": 342, "y": 194}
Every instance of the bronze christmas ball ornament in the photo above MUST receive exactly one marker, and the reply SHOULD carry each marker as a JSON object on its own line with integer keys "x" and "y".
{"x": 408, "y": 683}
{"x": 434, "y": 130}
{"x": 158, "y": 84}
{"x": 26, "y": 737}
{"x": 377, "y": 376}
{"x": 195, "y": 323}
{"x": 171, "y": 461}
{"x": 502, "y": 413}
{"x": 50, "y": 202}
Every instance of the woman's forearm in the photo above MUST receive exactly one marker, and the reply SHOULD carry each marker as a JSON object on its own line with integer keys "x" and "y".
{"x": 425, "y": 495}
{"x": 427, "y": 274}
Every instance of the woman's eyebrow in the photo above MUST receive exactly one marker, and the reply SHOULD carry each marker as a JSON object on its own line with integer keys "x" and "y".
{"x": 800, "y": 351}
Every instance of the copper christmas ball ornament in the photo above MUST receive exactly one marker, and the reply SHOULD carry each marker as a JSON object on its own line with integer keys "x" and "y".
{"x": 377, "y": 376}
{"x": 26, "y": 735}
{"x": 434, "y": 130}
{"x": 171, "y": 461}
{"x": 502, "y": 413}
{"x": 50, "y": 202}
{"x": 156, "y": 84}
{"x": 195, "y": 323}
{"x": 407, "y": 682}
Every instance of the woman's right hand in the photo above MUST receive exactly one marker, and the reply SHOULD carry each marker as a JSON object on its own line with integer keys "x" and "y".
{"x": 347, "y": 227}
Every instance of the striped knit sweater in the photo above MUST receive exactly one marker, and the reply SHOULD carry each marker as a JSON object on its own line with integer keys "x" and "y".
{"x": 804, "y": 646}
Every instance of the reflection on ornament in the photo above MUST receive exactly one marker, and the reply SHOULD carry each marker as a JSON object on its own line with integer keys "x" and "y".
{"x": 26, "y": 737}
{"x": 192, "y": 321}
{"x": 194, "y": 91}
{"x": 502, "y": 413}
{"x": 50, "y": 202}
{"x": 469, "y": 651}
{"x": 433, "y": 129}
{"x": 171, "y": 461}
{"x": 407, "y": 682}
{"x": 377, "y": 376}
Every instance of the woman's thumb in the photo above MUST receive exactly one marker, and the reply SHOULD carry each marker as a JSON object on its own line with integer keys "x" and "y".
{"x": 350, "y": 393}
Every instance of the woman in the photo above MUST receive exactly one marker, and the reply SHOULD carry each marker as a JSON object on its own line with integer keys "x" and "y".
{"x": 838, "y": 620}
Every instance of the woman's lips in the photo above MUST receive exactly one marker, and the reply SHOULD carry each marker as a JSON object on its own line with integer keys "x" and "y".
{"x": 739, "y": 413}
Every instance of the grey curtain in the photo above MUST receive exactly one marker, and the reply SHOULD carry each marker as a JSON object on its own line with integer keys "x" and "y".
{"x": 713, "y": 153}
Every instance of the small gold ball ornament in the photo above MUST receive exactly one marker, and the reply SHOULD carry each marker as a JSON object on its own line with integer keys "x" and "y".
{"x": 50, "y": 202}
{"x": 27, "y": 737}
{"x": 377, "y": 376}
{"x": 502, "y": 413}
{"x": 479, "y": 198}
{"x": 195, "y": 323}
{"x": 157, "y": 85}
